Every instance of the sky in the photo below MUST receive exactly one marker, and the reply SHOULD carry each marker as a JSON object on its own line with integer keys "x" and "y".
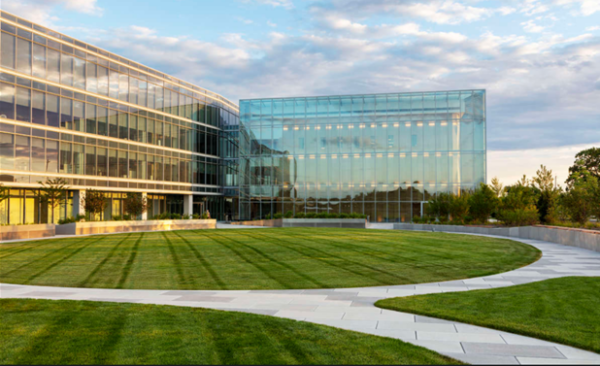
{"x": 539, "y": 60}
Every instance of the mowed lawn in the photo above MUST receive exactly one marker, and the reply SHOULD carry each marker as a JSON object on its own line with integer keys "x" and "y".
{"x": 78, "y": 332}
{"x": 283, "y": 258}
{"x": 563, "y": 310}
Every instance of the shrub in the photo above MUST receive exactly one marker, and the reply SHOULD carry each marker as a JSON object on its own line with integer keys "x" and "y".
{"x": 311, "y": 215}
{"x": 344, "y": 216}
{"x": 519, "y": 216}
{"x": 439, "y": 206}
{"x": 205, "y": 216}
{"x": 176, "y": 216}
{"x": 127, "y": 217}
{"x": 195, "y": 216}
{"x": 459, "y": 206}
{"x": 322, "y": 215}
{"x": 68, "y": 220}
{"x": 289, "y": 215}
{"x": 116, "y": 218}
{"x": 300, "y": 215}
{"x": 482, "y": 203}
{"x": 333, "y": 215}
{"x": 278, "y": 215}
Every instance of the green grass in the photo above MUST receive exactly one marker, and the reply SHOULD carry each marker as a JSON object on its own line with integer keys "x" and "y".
{"x": 564, "y": 310}
{"x": 79, "y": 332}
{"x": 258, "y": 259}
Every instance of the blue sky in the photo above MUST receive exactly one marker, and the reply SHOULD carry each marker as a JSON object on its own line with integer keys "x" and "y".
{"x": 538, "y": 59}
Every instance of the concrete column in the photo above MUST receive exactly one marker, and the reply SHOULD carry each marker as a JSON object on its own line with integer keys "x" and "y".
{"x": 145, "y": 213}
{"x": 188, "y": 205}
{"x": 78, "y": 207}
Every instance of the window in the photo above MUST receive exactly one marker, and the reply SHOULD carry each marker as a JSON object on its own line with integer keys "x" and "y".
{"x": 38, "y": 108}
{"x": 23, "y": 56}
{"x": 7, "y": 101}
{"x": 78, "y": 73}
{"x": 66, "y": 72}
{"x": 91, "y": 79}
{"x": 7, "y": 151}
{"x": 23, "y": 104}
{"x": 8, "y": 51}
{"x": 38, "y": 155}
{"x": 53, "y": 64}
{"x": 39, "y": 61}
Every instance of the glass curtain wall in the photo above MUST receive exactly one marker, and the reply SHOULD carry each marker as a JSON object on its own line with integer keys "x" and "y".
{"x": 381, "y": 155}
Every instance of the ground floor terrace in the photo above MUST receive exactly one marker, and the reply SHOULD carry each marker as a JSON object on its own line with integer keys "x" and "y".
{"x": 25, "y": 206}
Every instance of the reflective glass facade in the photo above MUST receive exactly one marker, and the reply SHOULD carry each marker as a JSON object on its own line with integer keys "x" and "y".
{"x": 382, "y": 155}
{"x": 100, "y": 121}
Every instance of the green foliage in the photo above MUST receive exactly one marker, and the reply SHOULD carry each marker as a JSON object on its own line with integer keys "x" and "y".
{"x": 94, "y": 202}
{"x": 268, "y": 216}
{"x": 289, "y": 215}
{"x": 135, "y": 204}
{"x": 278, "y": 215}
{"x": 497, "y": 187}
{"x": 117, "y": 218}
{"x": 4, "y": 192}
{"x": 585, "y": 161}
{"x": 548, "y": 193}
{"x": 195, "y": 216}
{"x": 459, "y": 206}
{"x": 482, "y": 203}
{"x": 344, "y": 216}
{"x": 520, "y": 216}
{"x": 176, "y": 216}
{"x": 53, "y": 192}
{"x": 439, "y": 205}
{"x": 205, "y": 216}
{"x": 300, "y": 215}
{"x": 310, "y": 215}
{"x": 582, "y": 198}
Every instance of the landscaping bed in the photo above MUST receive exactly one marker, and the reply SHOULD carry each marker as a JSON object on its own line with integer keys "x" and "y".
{"x": 564, "y": 310}
{"x": 82, "y": 332}
{"x": 282, "y": 258}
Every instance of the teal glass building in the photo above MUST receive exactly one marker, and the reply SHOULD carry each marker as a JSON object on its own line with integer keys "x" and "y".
{"x": 383, "y": 155}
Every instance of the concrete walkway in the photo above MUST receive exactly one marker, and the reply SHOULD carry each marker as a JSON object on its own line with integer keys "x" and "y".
{"x": 353, "y": 309}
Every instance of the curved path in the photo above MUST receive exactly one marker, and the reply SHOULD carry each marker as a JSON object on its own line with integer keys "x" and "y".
{"x": 353, "y": 309}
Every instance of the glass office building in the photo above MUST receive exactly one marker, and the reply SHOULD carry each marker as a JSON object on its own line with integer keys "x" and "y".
{"x": 383, "y": 155}
{"x": 100, "y": 121}
{"x": 71, "y": 110}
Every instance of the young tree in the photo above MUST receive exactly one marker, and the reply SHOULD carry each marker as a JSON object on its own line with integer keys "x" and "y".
{"x": 497, "y": 187}
{"x": 482, "y": 203}
{"x": 135, "y": 204}
{"x": 548, "y": 194}
{"x": 4, "y": 193}
{"x": 439, "y": 206}
{"x": 586, "y": 160}
{"x": 582, "y": 198}
{"x": 53, "y": 192}
{"x": 459, "y": 206}
{"x": 94, "y": 202}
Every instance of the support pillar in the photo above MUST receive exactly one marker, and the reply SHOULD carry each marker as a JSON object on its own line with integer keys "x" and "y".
{"x": 188, "y": 205}
{"x": 78, "y": 206}
{"x": 145, "y": 213}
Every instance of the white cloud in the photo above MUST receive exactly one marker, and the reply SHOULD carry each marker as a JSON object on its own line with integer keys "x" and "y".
{"x": 594, "y": 28}
{"x": 271, "y": 24}
{"x": 41, "y": 11}
{"x": 244, "y": 20}
{"x": 586, "y": 7}
{"x": 289, "y": 4}
{"x": 530, "y": 26}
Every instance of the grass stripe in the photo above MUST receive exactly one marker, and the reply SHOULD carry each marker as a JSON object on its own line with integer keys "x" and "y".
{"x": 205, "y": 264}
{"x": 127, "y": 268}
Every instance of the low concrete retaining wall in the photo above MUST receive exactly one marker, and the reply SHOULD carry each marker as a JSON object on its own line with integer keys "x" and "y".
{"x": 586, "y": 239}
{"x": 265, "y": 223}
{"x": 14, "y": 232}
{"x": 105, "y": 227}
{"x": 344, "y": 223}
